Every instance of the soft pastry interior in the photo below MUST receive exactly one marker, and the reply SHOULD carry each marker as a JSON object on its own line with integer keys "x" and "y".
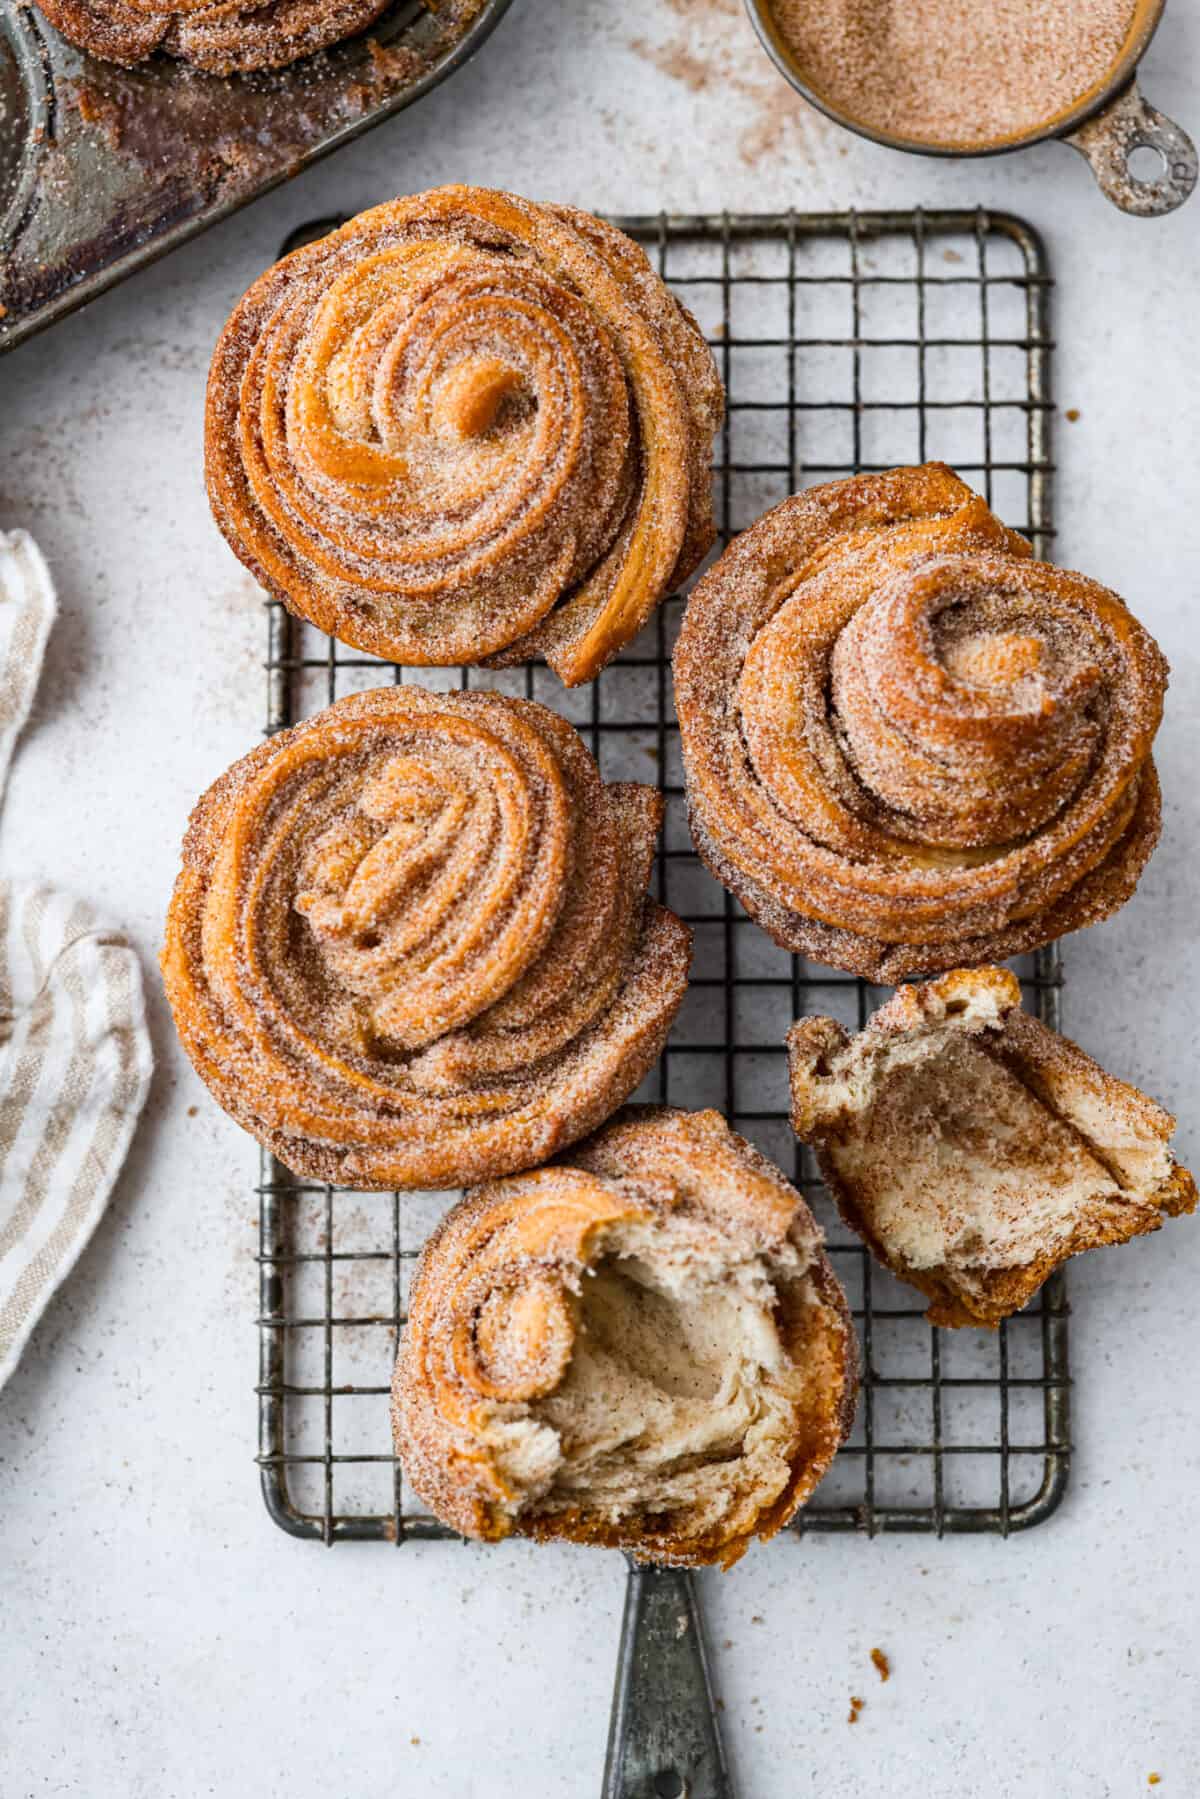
{"x": 679, "y": 1395}
{"x": 975, "y": 1149}
{"x": 959, "y": 1161}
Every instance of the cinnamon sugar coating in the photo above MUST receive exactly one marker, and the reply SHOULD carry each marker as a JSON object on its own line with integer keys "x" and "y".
{"x": 466, "y": 426}
{"x": 223, "y": 37}
{"x": 907, "y": 744}
{"x": 410, "y": 944}
{"x": 973, "y": 1149}
{"x": 644, "y": 1347}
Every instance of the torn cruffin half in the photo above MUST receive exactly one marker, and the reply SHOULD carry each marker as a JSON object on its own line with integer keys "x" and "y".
{"x": 973, "y": 1149}
{"x": 644, "y": 1348}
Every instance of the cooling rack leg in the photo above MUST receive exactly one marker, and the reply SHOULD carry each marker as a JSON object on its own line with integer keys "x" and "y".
{"x": 663, "y": 1740}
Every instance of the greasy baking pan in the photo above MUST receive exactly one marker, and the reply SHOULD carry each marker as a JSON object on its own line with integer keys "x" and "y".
{"x": 102, "y": 169}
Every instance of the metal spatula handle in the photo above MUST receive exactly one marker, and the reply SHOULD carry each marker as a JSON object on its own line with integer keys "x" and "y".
{"x": 663, "y": 1742}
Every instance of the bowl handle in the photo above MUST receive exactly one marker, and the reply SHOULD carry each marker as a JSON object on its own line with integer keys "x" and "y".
{"x": 1108, "y": 140}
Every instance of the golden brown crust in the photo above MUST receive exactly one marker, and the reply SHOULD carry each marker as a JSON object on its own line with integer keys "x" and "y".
{"x": 494, "y": 1318}
{"x": 222, "y": 38}
{"x": 410, "y": 944}
{"x": 1079, "y": 1161}
{"x": 465, "y": 426}
{"x": 907, "y": 744}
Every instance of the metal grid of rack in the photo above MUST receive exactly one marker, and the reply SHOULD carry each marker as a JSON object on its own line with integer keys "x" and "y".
{"x": 846, "y": 342}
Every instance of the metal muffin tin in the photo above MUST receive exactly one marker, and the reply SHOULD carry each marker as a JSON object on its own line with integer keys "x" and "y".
{"x": 102, "y": 169}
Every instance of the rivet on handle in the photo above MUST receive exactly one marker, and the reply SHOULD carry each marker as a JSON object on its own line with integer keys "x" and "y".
{"x": 1144, "y": 162}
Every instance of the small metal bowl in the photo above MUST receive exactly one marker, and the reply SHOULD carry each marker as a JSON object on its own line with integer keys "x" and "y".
{"x": 1108, "y": 125}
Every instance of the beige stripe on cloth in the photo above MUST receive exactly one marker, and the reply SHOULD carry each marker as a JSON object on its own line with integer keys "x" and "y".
{"x": 74, "y": 1050}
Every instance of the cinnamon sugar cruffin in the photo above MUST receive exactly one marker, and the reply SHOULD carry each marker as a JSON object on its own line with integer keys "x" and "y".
{"x": 642, "y": 1347}
{"x": 973, "y": 1149}
{"x": 907, "y": 744}
{"x": 466, "y": 426}
{"x": 410, "y": 945}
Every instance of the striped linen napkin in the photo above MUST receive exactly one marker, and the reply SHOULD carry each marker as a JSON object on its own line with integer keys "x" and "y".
{"x": 74, "y": 1050}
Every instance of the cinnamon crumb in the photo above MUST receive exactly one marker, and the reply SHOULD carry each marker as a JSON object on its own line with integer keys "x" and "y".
{"x": 1072, "y": 413}
{"x": 1152, "y": 1780}
{"x": 97, "y": 108}
{"x": 393, "y": 61}
{"x": 856, "y": 1705}
{"x": 882, "y": 1665}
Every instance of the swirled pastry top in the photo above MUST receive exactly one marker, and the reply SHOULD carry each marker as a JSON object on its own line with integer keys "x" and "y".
{"x": 973, "y": 1149}
{"x": 646, "y": 1348}
{"x": 466, "y": 426}
{"x": 908, "y": 744}
{"x": 410, "y": 945}
{"x": 223, "y": 37}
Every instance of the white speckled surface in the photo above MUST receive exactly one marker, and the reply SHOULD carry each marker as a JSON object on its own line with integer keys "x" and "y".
{"x": 162, "y": 1639}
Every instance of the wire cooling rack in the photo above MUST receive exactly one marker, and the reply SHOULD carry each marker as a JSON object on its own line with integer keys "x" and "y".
{"x": 846, "y": 342}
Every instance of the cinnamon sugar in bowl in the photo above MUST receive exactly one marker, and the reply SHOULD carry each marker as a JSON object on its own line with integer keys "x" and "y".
{"x": 948, "y": 78}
